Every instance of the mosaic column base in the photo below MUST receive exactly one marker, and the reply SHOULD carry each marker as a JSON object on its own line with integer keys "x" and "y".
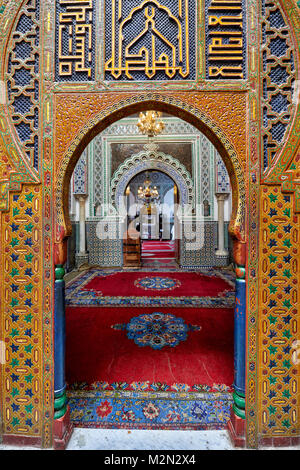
{"x": 62, "y": 431}
{"x": 236, "y": 430}
{"x": 81, "y": 258}
{"x": 222, "y": 257}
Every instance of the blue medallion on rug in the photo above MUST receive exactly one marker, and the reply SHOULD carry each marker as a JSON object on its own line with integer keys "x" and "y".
{"x": 156, "y": 330}
{"x": 157, "y": 282}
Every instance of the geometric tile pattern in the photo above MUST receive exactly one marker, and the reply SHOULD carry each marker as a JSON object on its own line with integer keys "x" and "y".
{"x": 21, "y": 324}
{"x": 222, "y": 179}
{"x": 280, "y": 314}
{"x": 277, "y": 77}
{"x": 23, "y": 80}
{"x": 150, "y": 41}
{"x": 75, "y": 41}
{"x": 80, "y": 175}
{"x": 163, "y": 183}
{"x": 107, "y": 251}
{"x": 202, "y": 252}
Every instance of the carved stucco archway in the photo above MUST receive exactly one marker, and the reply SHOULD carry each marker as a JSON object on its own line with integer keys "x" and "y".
{"x": 152, "y": 160}
{"x": 159, "y": 102}
{"x": 234, "y": 162}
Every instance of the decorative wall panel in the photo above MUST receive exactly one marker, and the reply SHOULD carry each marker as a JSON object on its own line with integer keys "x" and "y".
{"x": 212, "y": 114}
{"x": 107, "y": 251}
{"x": 21, "y": 321}
{"x": 75, "y": 40}
{"x": 150, "y": 40}
{"x": 147, "y": 160}
{"x": 279, "y": 323}
{"x": 278, "y": 79}
{"x": 204, "y": 254}
{"x": 80, "y": 175}
{"x": 266, "y": 218}
{"x": 22, "y": 78}
{"x": 201, "y": 152}
{"x": 226, "y": 39}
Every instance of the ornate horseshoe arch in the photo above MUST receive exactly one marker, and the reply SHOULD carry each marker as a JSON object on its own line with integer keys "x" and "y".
{"x": 152, "y": 160}
{"x": 160, "y": 102}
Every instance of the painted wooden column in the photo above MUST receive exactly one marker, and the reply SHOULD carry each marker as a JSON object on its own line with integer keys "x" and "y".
{"x": 63, "y": 427}
{"x": 221, "y": 198}
{"x": 236, "y": 424}
{"x": 240, "y": 343}
{"x": 60, "y": 400}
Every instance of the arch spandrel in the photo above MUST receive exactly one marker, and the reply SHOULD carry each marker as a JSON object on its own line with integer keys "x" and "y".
{"x": 221, "y": 117}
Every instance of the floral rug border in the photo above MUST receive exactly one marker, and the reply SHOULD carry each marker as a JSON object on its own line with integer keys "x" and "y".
{"x": 76, "y": 296}
{"x": 149, "y": 410}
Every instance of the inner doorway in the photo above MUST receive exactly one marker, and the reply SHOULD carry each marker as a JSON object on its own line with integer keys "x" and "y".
{"x": 152, "y": 197}
{"x": 150, "y": 346}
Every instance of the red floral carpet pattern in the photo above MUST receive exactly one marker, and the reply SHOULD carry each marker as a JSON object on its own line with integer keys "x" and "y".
{"x": 97, "y": 352}
{"x": 139, "y": 284}
{"x": 123, "y": 373}
{"x": 115, "y": 383}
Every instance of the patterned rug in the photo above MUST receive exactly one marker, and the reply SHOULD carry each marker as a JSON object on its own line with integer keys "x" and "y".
{"x": 145, "y": 369}
{"x": 162, "y": 288}
{"x": 156, "y": 410}
{"x": 159, "y": 264}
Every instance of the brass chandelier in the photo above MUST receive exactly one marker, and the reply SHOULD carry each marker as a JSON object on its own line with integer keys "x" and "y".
{"x": 150, "y": 123}
{"x": 146, "y": 193}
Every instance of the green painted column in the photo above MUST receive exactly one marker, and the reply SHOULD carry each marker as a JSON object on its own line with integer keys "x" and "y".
{"x": 240, "y": 343}
{"x": 60, "y": 398}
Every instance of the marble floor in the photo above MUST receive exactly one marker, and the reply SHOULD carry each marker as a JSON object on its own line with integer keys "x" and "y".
{"x": 122, "y": 439}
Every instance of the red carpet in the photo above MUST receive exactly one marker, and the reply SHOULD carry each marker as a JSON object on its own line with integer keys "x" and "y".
{"x": 158, "y": 249}
{"x": 95, "y": 351}
{"x": 161, "y": 284}
{"x": 158, "y": 255}
{"x": 164, "y": 246}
